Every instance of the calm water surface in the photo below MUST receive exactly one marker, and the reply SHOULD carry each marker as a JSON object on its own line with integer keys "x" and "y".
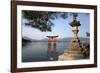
{"x": 38, "y": 51}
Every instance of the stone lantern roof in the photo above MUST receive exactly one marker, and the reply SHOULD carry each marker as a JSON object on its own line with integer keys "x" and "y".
{"x": 75, "y": 22}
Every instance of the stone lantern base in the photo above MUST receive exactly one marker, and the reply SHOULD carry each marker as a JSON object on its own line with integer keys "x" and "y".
{"x": 75, "y": 50}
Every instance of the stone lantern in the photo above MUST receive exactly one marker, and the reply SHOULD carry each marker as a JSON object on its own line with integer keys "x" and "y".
{"x": 75, "y": 24}
{"x": 75, "y": 49}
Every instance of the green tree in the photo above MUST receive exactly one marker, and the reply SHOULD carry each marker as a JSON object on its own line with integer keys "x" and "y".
{"x": 87, "y": 34}
{"x": 42, "y": 20}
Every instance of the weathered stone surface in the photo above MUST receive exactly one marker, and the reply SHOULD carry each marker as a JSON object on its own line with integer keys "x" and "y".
{"x": 76, "y": 49}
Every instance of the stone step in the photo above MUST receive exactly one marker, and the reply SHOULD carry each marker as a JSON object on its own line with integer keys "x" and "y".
{"x": 78, "y": 50}
{"x": 69, "y": 57}
{"x": 74, "y": 52}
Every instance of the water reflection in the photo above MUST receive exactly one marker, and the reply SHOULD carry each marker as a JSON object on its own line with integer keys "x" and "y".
{"x": 38, "y": 51}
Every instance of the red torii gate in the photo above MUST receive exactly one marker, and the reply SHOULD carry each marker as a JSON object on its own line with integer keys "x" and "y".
{"x": 52, "y": 43}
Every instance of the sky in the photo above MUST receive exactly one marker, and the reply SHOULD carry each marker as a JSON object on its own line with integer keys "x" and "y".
{"x": 61, "y": 28}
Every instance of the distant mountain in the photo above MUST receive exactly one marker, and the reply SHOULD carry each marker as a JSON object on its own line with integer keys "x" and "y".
{"x": 61, "y": 40}
{"x": 69, "y": 39}
{"x": 64, "y": 39}
{"x": 26, "y": 40}
{"x": 84, "y": 39}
